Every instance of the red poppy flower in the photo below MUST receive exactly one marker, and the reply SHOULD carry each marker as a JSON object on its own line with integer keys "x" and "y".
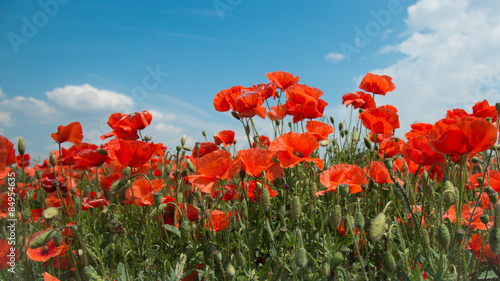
{"x": 418, "y": 150}
{"x": 377, "y": 84}
{"x": 351, "y": 175}
{"x": 141, "y": 192}
{"x": 358, "y": 99}
{"x": 26, "y": 160}
{"x": 91, "y": 157}
{"x": 7, "y": 153}
{"x": 277, "y": 112}
{"x": 418, "y": 129}
{"x": 468, "y": 213}
{"x": 391, "y": 147}
{"x": 380, "y": 120}
{"x": 212, "y": 167}
{"x": 226, "y": 99}
{"x": 257, "y": 160}
{"x": 250, "y": 104}
{"x": 303, "y": 102}
{"x": 46, "y": 251}
{"x": 253, "y": 192}
{"x": 50, "y": 182}
{"x": 220, "y": 220}
{"x": 264, "y": 142}
{"x": 131, "y": 153}
{"x": 282, "y": 79}
{"x": 378, "y": 172}
{"x": 226, "y": 137}
{"x": 293, "y": 148}
{"x": 125, "y": 126}
{"x": 456, "y": 136}
{"x": 320, "y": 130}
{"x": 48, "y": 277}
{"x": 229, "y": 190}
{"x": 484, "y": 110}
{"x": 72, "y": 133}
{"x": 266, "y": 90}
{"x": 492, "y": 179}
{"x": 205, "y": 148}
{"x": 6, "y": 254}
{"x": 92, "y": 201}
{"x": 381, "y": 137}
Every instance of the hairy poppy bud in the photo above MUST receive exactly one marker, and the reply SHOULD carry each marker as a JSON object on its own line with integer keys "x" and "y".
{"x": 190, "y": 165}
{"x": 325, "y": 269}
{"x": 230, "y": 270}
{"x": 485, "y": 219}
{"x": 368, "y": 142}
{"x": 448, "y": 192}
{"x": 443, "y": 236}
{"x": 324, "y": 143}
{"x": 265, "y": 200}
{"x": 20, "y": 146}
{"x": 301, "y": 257}
{"x": 52, "y": 159}
{"x": 335, "y": 217}
{"x": 388, "y": 164}
{"x": 377, "y": 227}
{"x": 390, "y": 262}
{"x": 243, "y": 208}
{"x": 240, "y": 259}
{"x": 168, "y": 168}
{"x": 313, "y": 188}
{"x": 296, "y": 207}
{"x": 460, "y": 234}
{"x": 42, "y": 239}
{"x": 341, "y": 126}
{"x": 183, "y": 140}
{"x": 360, "y": 221}
{"x": 184, "y": 230}
{"x": 355, "y": 135}
{"x": 494, "y": 239}
{"x": 102, "y": 151}
{"x": 50, "y": 213}
{"x": 332, "y": 120}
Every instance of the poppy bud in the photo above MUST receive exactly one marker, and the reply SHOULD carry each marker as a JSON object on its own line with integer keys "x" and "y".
{"x": 296, "y": 207}
{"x": 183, "y": 140}
{"x": 349, "y": 221}
{"x": 325, "y": 269}
{"x": 460, "y": 234}
{"x": 332, "y": 120}
{"x": 497, "y": 106}
{"x": 480, "y": 181}
{"x": 488, "y": 119}
{"x": 157, "y": 196}
{"x": 102, "y": 151}
{"x": 50, "y": 213}
{"x": 368, "y": 142}
{"x": 313, "y": 188}
{"x": 360, "y": 221}
{"x": 492, "y": 195}
{"x": 377, "y": 227}
{"x": 390, "y": 262}
{"x": 290, "y": 125}
{"x": 190, "y": 165}
{"x": 324, "y": 143}
{"x": 443, "y": 236}
{"x": 337, "y": 260}
{"x": 355, "y": 135}
{"x": 42, "y": 239}
{"x": 235, "y": 115}
{"x": 184, "y": 173}
{"x": 474, "y": 160}
{"x": 230, "y": 270}
{"x": 448, "y": 192}
{"x": 485, "y": 219}
{"x": 38, "y": 174}
{"x": 341, "y": 126}
{"x": 186, "y": 148}
{"x": 57, "y": 238}
{"x": 52, "y": 159}
{"x": 20, "y": 146}
{"x": 301, "y": 257}
{"x": 388, "y": 164}
{"x": 240, "y": 259}
{"x": 178, "y": 148}
{"x": 277, "y": 122}
{"x": 184, "y": 230}
{"x": 265, "y": 200}
{"x": 335, "y": 217}
{"x": 243, "y": 208}
{"x": 278, "y": 95}
{"x": 126, "y": 172}
{"x": 168, "y": 168}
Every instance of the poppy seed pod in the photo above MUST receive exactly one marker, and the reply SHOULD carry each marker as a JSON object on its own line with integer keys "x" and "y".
{"x": 377, "y": 227}
{"x": 343, "y": 189}
{"x": 485, "y": 219}
{"x": 443, "y": 236}
{"x": 38, "y": 174}
{"x": 20, "y": 146}
{"x": 296, "y": 207}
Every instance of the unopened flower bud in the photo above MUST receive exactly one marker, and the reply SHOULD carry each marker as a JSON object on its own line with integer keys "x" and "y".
{"x": 52, "y": 159}
{"x": 235, "y": 115}
{"x": 332, "y": 120}
{"x": 38, "y": 174}
{"x": 102, "y": 151}
{"x": 183, "y": 140}
{"x": 265, "y": 200}
{"x": 343, "y": 190}
{"x": 296, "y": 207}
{"x": 368, "y": 142}
{"x": 377, "y": 227}
{"x": 335, "y": 217}
{"x": 390, "y": 262}
{"x": 301, "y": 257}
{"x": 341, "y": 126}
{"x": 443, "y": 236}
{"x": 20, "y": 146}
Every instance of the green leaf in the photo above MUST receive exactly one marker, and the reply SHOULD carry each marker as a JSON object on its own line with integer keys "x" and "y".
{"x": 173, "y": 229}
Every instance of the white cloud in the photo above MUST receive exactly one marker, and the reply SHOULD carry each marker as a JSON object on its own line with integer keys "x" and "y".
{"x": 27, "y": 106}
{"x": 451, "y": 50}
{"x": 334, "y": 57}
{"x": 88, "y": 98}
{"x": 386, "y": 33}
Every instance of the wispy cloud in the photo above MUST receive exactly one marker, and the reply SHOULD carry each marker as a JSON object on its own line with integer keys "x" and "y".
{"x": 334, "y": 57}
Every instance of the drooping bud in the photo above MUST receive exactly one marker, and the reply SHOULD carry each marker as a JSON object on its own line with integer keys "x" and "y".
{"x": 368, "y": 142}
{"x": 443, "y": 236}
{"x": 388, "y": 164}
{"x": 102, "y": 151}
{"x": 324, "y": 143}
{"x": 235, "y": 115}
{"x": 42, "y": 239}
{"x": 377, "y": 227}
{"x": 332, "y": 120}
{"x": 20, "y": 146}
{"x": 390, "y": 262}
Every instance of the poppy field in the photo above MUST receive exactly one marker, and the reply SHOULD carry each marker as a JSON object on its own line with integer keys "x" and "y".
{"x": 320, "y": 199}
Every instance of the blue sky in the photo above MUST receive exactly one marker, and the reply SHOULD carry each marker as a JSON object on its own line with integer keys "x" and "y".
{"x": 64, "y": 61}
